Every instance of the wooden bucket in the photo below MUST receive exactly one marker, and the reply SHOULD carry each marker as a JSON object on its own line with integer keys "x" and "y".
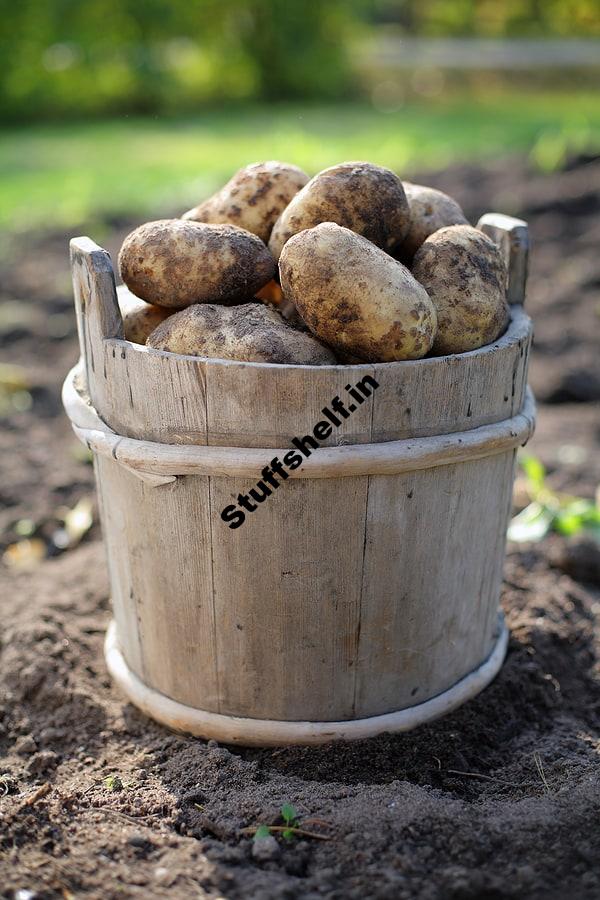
{"x": 362, "y": 595}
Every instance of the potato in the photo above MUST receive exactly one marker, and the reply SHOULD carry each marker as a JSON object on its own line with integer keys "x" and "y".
{"x": 464, "y": 273}
{"x": 251, "y": 332}
{"x": 429, "y": 210}
{"x": 355, "y": 297}
{"x": 174, "y": 263}
{"x": 358, "y": 195}
{"x": 253, "y": 199}
{"x": 139, "y": 318}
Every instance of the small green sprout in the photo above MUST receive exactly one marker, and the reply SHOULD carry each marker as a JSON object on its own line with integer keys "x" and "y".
{"x": 549, "y": 510}
{"x": 113, "y": 783}
{"x": 289, "y": 814}
{"x": 293, "y": 827}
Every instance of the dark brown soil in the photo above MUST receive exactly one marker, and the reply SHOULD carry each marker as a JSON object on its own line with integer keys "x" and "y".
{"x": 498, "y": 800}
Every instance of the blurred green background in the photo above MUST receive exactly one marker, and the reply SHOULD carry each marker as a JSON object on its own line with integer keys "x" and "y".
{"x": 115, "y": 108}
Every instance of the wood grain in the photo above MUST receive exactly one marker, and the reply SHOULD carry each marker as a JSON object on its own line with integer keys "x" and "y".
{"x": 512, "y": 236}
{"x": 434, "y": 552}
{"x": 164, "y": 462}
{"x": 287, "y": 594}
{"x": 247, "y": 731}
{"x": 168, "y": 398}
{"x": 97, "y": 310}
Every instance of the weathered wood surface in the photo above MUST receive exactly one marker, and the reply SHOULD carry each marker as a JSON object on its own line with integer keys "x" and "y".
{"x": 97, "y": 311}
{"x": 512, "y": 236}
{"x": 166, "y": 461}
{"x": 176, "y": 399}
{"x": 160, "y": 552}
{"x": 367, "y": 584}
{"x": 434, "y": 550}
{"x": 272, "y": 732}
{"x": 338, "y": 599}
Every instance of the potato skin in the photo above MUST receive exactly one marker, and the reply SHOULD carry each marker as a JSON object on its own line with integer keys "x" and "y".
{"x": 355, "y": 297}
{"x": 139, "y": 318}
{"x": 253, "y": 199}
{"x": 174, "y": 263}
{"x": 430, "y": 210}
{"x": 365, "y": 198}
{"x": 464, "y": 273}
{"x": 250, "y": 332}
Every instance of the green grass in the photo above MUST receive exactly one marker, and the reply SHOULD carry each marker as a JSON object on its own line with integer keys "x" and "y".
{"x": 68, "y": 175}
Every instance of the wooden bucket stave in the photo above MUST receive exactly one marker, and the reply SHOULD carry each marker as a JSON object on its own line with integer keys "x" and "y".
{"x": 360, "y": 597}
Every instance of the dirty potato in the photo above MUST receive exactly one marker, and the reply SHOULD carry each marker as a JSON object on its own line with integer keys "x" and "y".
{"x": 463, "y": 272}
{"x": 253, "y": 199}
{"x": 429, "y": 210}
{"x": 173, "y": 263}
{"x": 358, "y": 195}
{"x": 139, "y": 318}
{"x": 355, "y": 297}
{"x": 250, "y": 332}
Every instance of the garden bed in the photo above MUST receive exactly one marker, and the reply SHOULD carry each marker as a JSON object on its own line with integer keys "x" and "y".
{"x": 499, "y": 799}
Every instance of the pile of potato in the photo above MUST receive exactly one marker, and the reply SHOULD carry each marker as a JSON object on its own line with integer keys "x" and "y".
{"x": 350, "y": 266}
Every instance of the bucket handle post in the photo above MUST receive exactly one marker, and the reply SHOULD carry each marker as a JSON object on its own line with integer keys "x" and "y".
{"x": 512, "y": 236}
{"x": 97, "y": 309}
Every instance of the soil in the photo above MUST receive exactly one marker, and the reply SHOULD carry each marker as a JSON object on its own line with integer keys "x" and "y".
{"x": 498, "y": 800}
